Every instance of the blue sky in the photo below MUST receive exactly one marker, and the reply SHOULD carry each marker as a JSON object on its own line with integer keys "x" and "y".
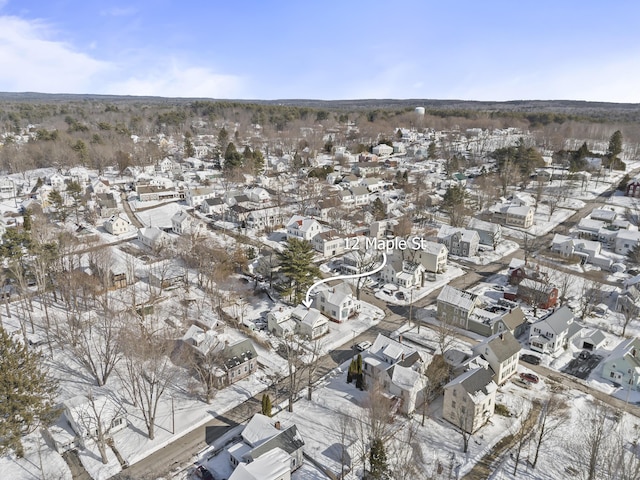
{"x": 271, "y": 49}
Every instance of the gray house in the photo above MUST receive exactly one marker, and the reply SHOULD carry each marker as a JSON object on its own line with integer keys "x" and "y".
{"x": 456, "y": 306}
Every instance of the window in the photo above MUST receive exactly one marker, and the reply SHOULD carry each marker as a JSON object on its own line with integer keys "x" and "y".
{"x": 455, "y": 392}
{"x": 453, "y": 404}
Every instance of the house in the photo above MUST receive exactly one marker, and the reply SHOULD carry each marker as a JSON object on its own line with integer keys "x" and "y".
{"x": 116, "y": 225}
{"x": 633, "y": 188}
{"x": 195, "y": 196}
{"x": 398, "y": 369}
{"x": 106, "y": 205}
{"x": 212, "y": 206}
{"x": 552, "y": 333}
{"x": 537, "y": 293}
{"x": 264, "y": 217}
{"x": 431, "y": 255}
{"x": 513, "y": 215}
{"x": 459, "y": 241}
{"x": 587, "y": 250}
{"x": 203, "y": 342}
{"x": 262, "y": 435}
{"x": 149, "y": 193}
{"x": 382, "y": 150}
{"x": 280, "y": 323}
{"x": 165, "y": 274}
{"x": 258, "y": 195}
{"x": 329, "y": 243}
{"x": 153, "y": 237}
{"x": 590, "y": 339}
{"x": 303, "y": 228}
{"x": 99, "y": 187}
{"x": 490, "y": 233}
{"x": 57, "y": 182}
{"x": 183, "y": 223}
{"x": 360, "y": 195}
{"x": 310, "y": 323}
{"x": 401, "y": 272}
{"x": 83, "y": 413}
{"x": 626, "y": 241}
{"x": 501, "y": 351}
{"x": 622, "y": 366}
{"x": 273, "y": 465}
{"x": 239, "y": 360}
{"x": 337, "y": 302}
{"x": 470, "y": 399}
{"x": 515, "y": 321}
{"x": 7, "y": 188}
{"x": 455, "y": 307}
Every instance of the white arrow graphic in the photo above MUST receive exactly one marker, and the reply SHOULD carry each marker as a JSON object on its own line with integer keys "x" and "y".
{"x": 307, "y": 302}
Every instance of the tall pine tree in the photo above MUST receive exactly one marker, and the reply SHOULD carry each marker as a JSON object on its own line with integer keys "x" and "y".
{"x": 27, "y": 394}
{"x": 296, "y": 264}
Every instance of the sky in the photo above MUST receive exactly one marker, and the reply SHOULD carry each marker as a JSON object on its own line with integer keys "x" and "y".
{"x": 329, "y": 50}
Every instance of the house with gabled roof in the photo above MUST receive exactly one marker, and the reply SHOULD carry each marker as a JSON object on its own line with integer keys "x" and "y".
{"x": 623, "y": 364}
{"x": 551, "y": 333}
{"x": 490, "y": 233}
{"x": 310, "y": 323}
{"x": 398, "y": 369}
{"x": 455, "y": 307}
{"x": 239, "y": 360}
{"x": 501, "y": 351}
{"x": 262, "y": 435}
{"x": 303, "y": 228}
{"x": 273, "y": 465}
{"x": 329, "y": 243}
{"x": 195, "y": 196}
{"x": 182, "y": 223}
{"x": 337, "y": 302}
{"x": 459, "y": 241}
{"x": 116, "y": 225}
{"x": 402, "y": 272}
{"x": 470, "y": 399}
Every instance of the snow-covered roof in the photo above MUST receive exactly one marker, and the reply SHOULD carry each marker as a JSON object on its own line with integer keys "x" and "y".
{"x": 271, "y": 465}
{"x": 259, "y": 429}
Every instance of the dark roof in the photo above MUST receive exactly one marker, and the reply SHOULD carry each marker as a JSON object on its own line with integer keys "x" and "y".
{"x": 288, "y": 440}
{"x": 503, "y": 345}
{"x": 213, "y": 201}
{"x": 514, "y": 318}
{"x": 238, "y": 353}
{"x": 241, "y": 199}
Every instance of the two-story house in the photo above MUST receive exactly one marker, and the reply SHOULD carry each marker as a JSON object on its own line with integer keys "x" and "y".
{"x": 337, "y": 302}
{"x": 459, "y": 241}
{"x": 470, "y": 399}
{"x": 623, "y": 364}
{"x": 329, "y": 243}
{"x": 402, "y": 272}
{"x": 454, "y": 307}
{"x": 552, "y": 332}
{"x": 239, "y": 360}
{"x": 490, "y": 233}
{"x": 501, "y": 351}
{"x": 310, "y": 323}
{"x": 303, "y": 228}
{"x": 195, "y": 196}
{"x": 116, "y": 225}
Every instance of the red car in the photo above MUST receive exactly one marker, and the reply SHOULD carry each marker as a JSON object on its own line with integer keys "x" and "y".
{"x": 529, "y": 377}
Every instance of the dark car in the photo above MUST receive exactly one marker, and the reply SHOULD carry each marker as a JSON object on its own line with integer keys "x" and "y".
{"x": 584, "y": 355}
{"x": 203, "y": 473}
{"x": 532, "y": 359}
{"x": 529, "y": 377}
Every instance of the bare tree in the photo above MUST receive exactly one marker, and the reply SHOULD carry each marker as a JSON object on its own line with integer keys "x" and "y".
{"x": 590, "y": 296}
{"x": 406, "y": 454}
{"x": 589, "y": 452}
{"x": 204, "y": 364}
{"x": 98, "y": 416}
{"x": 438, "y": 373}
{"x": 293, "y": 351}
{"x": 314, "y": 351}
{"x": 94, "y": 340}
{"x": 553, "y": 414}
{"x": 146, "y": 373}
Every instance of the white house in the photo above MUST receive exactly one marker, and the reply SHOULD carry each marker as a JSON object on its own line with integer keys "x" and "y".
{"x": 310, "y": 323}
{"x": 401, "y": 272}
{"x": 109, "y": 415}
{"x": 183, "y": 223}
{"x": 153, "y": 237}
{"x": 626, "y": 241}
{"x": 337, "y": 302}
{"x": 470, "y": 399}
{"x": 382, "y": 150}
{"x": 195, "y": 196}
{"x": 501, "y": 351}
{"x": 552, "y": 333}
{"x": 329, "y": 243}
{"x": 303, "y": 228}
{"x": 116, "y": 225}
{"x": 623, "y": 364}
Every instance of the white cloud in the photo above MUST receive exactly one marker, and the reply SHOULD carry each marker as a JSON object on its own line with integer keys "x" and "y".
{"x": 180, "y": 81}
{"x": 32, "y": 62}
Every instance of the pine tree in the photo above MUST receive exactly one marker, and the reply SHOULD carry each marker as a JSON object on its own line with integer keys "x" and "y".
{"x": 266, "y": 405}
{"x": 378, "y": 460}
{"x": 232, "y": 158}
{"x": 55, "y": 197}
{"x": 431, "y": 151}
{"x": 297, "y": 266}
{"x": 26, "y": 220}
{"x": 189, "y": 149}
{"x": 378, "y": 209}
{"x": 615, "y": 145}
{"x": 258, "y": 162}
{"x": 26, "y": 394}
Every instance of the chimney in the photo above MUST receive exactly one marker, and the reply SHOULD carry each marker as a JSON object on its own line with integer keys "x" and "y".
{"x": 502, "y": 336}
{"x": 400, "y": 339}
{"x": 277, "y": 425}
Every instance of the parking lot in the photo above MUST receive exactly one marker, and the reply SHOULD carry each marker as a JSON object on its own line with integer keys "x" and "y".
{"x": 582, "y": 367}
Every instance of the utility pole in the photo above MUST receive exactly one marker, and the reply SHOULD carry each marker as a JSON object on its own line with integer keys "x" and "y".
{"x": 173, "y": 418}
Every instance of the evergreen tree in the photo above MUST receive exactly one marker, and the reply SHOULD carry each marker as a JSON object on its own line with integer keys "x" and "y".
{"x": 297, "y": 266}
{"x": 189, "y": 149}
{"x": 615, "y": 145}
{"x": 431, "y": 151}
{"x": 26, "y": 394}
{"x": 258, "y": 162}
{"x": 74, "y": 189}
{"x": 223, "y": 138}
{"x": 453, "y": 203}
{"x": 378, "y": 209}
{"x": 266, "y": 405}
{"x": 26, "y": 220}
{"x": 56, "y": 199}
{"x": 232, "y": 158}
{"x": 378, "y": 461}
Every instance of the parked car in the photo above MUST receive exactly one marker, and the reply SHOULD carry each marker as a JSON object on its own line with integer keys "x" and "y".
{"x": 400, "y": 295}
{"x": 203, "y": 473}
{"x": 584, "y": 355}
{"x": 529, "y": 377}
{"x": 532, "y": 359}
{"x": 362, "y": 346}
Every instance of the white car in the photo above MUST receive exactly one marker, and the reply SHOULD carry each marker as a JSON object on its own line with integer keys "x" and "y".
{"x": 362, "y": 346}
